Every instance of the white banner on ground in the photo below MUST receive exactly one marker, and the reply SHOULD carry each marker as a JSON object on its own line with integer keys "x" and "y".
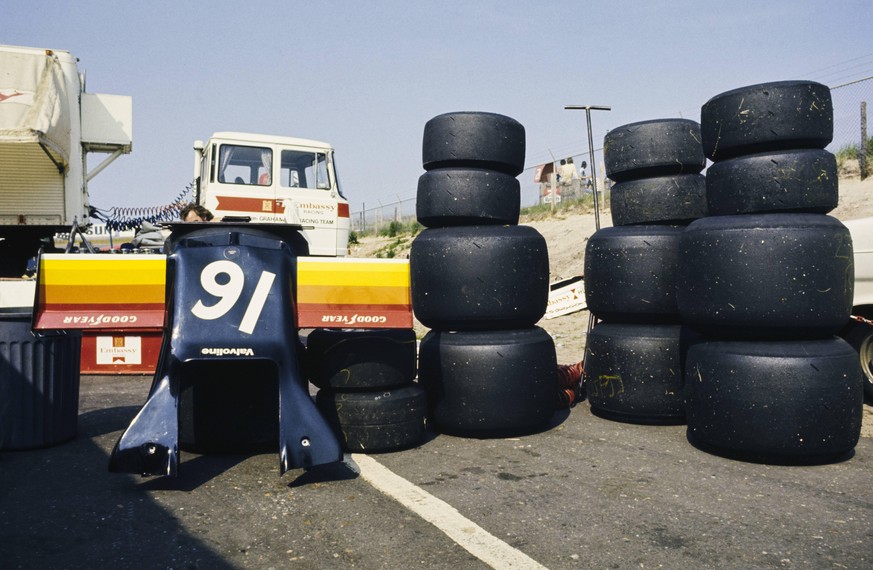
{"x": 566, "y": 297}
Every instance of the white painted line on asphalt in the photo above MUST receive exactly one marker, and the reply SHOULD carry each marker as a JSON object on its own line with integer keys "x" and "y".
{"x": 467, "y": 534}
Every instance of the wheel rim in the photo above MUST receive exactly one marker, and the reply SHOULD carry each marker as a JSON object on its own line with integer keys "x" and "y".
{"x": 866, "y": 354}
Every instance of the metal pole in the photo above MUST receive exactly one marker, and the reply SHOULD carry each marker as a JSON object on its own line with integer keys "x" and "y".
{"x": 593, "y": 167}
{"x": 862, "y": 152}
{"x": 554, "y": 186}
{"x": 553, "y": 177}
{"x": 588, "y": 109}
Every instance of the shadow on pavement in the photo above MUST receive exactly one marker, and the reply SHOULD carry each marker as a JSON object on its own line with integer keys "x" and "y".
{"x": 61, "y": 508}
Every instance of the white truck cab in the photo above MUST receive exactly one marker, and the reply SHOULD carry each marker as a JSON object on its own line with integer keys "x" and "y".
{"x": 273, "y": 179}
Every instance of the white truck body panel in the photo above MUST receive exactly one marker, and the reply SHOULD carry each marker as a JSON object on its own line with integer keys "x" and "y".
{"x": 17, "y": 294}
{"x": 862, "y": 244}
{"x": 31, "y": 187}
{"x": 40, "y": 88}
{"x": 47, "y": 125}
{"x": 107, "y": 122}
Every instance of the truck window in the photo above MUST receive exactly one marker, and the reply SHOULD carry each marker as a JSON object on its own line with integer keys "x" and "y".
{"x": 301, "y": 169}
{"x": 239, "y": 164}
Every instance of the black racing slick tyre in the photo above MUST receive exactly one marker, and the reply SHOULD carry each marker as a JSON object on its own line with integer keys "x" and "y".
{"x": 803, "y": 180}
{"x": 474, "y": 140}
{"x": 779, "y": 401}
{"x": 660, "y": 147}
{"x": 633, "y": 373}
{"x": 479, "y": 277}
{"x": 489, "y": 383}
{"x": 467, "y": 197}
{"x": 376, "y": 421}
{"x": 767, "y": 117}
{"x": 630, "y": 273}
{"x": 364, "y": 359}
{"x": 678, "y": 199}
{"x": 766, "y": 275}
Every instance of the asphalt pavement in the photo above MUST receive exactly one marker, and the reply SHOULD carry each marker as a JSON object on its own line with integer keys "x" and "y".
{"x": 586, "y": 493}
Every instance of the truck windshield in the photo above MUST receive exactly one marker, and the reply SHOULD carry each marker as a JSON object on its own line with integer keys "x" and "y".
{"x": 245, "y": 165}
{"x": 303, "y": 169}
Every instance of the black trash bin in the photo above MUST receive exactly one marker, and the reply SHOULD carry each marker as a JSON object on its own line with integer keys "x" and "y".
{"x": 39, "y": 384}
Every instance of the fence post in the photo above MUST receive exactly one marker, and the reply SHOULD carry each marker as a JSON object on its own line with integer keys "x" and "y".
{"x": 862, "y": 152}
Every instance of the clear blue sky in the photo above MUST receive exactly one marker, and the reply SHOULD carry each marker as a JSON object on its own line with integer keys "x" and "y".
{"x": 367, "y": 76}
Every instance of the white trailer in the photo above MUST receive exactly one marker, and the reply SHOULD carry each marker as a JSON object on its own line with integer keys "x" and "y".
{"x": 48, "y": 126}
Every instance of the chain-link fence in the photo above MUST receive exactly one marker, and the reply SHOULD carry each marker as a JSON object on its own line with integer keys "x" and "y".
{"x": 379, "y": 218}
{"x": 539, "y": 183}
{"x": 850, "y": 122}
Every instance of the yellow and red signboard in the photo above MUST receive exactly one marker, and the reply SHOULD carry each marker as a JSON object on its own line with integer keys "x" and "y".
{"x": 353, "y": 293}
{"x": 100, "y": 291}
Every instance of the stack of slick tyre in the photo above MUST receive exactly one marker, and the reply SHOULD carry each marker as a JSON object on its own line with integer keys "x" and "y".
{"x": 656, "y": 168}
{"x": 480, "y": 282}
{"x": 635, "y": 352}
{"x": 768, "y": 280}
{"x": 367, "y": 390}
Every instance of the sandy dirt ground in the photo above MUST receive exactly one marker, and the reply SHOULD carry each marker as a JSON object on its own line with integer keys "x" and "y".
{"x": 566, "y": 235}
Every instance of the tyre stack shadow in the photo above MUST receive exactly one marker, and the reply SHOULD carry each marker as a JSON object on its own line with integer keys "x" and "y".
{"x": 768, "y": 280}
{"x": 480, "y": 282}
{"x": 634, "y": 353}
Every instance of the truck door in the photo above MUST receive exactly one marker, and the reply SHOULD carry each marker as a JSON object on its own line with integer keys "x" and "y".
{"x": 243, "y": 183}
{"x": 307, "y": 194}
